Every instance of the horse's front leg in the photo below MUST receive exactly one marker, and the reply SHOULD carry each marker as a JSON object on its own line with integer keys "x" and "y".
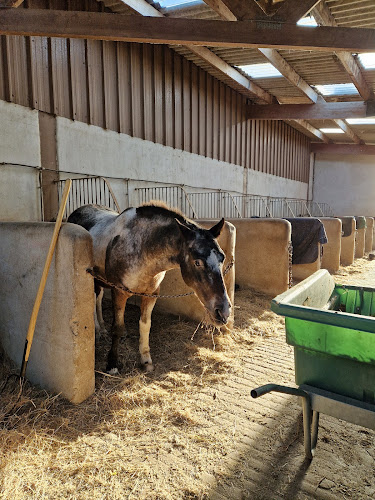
{"x": 118, "y": 329}
{"x": 147, "y": 305}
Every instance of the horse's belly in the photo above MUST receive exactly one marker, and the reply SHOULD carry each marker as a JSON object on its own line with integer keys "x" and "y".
{"x": 141, "y": 282}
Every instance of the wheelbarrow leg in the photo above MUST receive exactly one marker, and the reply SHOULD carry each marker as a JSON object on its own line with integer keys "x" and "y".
{"x": 314, "y": 430}
{"x": 310, "y": 428}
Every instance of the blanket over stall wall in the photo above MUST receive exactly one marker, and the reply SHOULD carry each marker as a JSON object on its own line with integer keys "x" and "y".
{"x": 307, "y": 232}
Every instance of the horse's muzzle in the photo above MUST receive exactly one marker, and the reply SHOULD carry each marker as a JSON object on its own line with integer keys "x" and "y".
{"x": 222, "y": 313}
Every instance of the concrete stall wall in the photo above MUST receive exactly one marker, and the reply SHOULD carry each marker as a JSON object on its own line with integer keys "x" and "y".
{"x": 346, "y": 183}
{"x": 360, "y": 243}
{"x": 303, "y": 271}
{"x": 348, "y": 246}
{"x": 331, "y": 249}
{"x": 62, "y": 355}
{"x": 190, "y": 307}
{"x": 369, "y": 234}
{"x": 262, "y": 254}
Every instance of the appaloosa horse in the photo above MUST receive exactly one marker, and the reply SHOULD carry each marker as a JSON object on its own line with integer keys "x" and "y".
{"x": 136, "y": 248}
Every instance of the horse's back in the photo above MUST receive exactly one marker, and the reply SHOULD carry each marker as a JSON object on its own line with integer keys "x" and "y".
{"x": 89, "y": 216}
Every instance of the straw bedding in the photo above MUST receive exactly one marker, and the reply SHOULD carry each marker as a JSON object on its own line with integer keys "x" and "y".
{"x": 152, "y": 436}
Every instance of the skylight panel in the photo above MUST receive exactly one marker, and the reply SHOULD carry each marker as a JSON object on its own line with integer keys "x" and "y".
{"x": 307, "y": 21}
{"x": 263, "y": 70}
{"x": 367, "y": 60}
{"x": 337, "y": 89}
{"x": 360, "y": 121}
{"x": 331, "y": 130}
{"x": 169, "y": 4}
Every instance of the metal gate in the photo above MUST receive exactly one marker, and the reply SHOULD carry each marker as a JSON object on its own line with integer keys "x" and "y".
{"x": 88, "y": 190}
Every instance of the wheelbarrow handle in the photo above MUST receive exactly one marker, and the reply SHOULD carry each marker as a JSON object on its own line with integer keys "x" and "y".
{"x": 310, "y": 427}
{"x": 265, "y": 389}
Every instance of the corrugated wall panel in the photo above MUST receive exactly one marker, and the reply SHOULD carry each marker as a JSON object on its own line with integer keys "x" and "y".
{"x": 148, "y": 92}
{"x": 215, "y": 119}
{"x": 95, "y": 82}
{"x": 202, "y": 108}
{"x": 124, "y": 88}
{"x": 79, "y": 80}
{"x": 186, "y": 97}
{"x": 209, "y": 117}
{"x": 18, "y": 74}
{"x": 222, "y": 120}
{"x": 40, "y": 74}
{"x": 61, "y": 81}
{"x": 4, "y": 80}
{"x": 178, "y": 103}
{"x": 168, "y": 82}
{"x": 111, "y": 101}
{"x": 137, "y": 90}
{"x": 194, "y": 110}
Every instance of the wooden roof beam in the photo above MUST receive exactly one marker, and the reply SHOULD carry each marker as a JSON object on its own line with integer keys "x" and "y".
{"x": 320, "y": 111}
{"x": 342, "y": 149}
{"x": 323, "y": 16}
{"x": 102, "y": 26}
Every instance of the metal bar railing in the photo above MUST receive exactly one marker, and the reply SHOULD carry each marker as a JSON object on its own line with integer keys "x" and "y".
{"x": 87, "y": 190}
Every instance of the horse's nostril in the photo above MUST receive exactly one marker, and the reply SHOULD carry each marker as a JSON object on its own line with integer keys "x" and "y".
{"x": 220, "y": 316}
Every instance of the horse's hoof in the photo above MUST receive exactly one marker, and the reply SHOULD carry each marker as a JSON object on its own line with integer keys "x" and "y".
{"x": 113, "y": 368}
{"x": 113, "y": 371}
{"x": 148, "y": 367}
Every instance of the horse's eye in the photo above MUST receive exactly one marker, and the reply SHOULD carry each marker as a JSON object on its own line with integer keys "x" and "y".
{"x": 198, "y": 263}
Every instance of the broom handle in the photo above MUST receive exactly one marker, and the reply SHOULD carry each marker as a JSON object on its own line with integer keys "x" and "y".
{"x": 42, "y": 284}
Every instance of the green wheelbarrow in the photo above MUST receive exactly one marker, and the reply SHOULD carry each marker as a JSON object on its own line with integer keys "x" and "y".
{"x": 332, "y": 329}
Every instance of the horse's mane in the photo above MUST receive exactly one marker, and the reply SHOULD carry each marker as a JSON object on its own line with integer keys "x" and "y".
{"x": 162, "y": 208}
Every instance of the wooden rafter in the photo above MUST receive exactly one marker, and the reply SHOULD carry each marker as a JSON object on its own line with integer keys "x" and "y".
{"x": 222, "y": 9}
{"x": 342, "y": 149}
{"x": 311, "y": 130}
{"x": 320, "y": 111}
{"x": 348, "y": 131}
{"x": 102, "y": 26}
{"x": 291, "y": 11}
{"x": 289, "y": 73}
{"x": 324, "y": 17}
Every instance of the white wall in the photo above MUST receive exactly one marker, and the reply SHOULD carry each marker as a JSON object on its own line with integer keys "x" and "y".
{"x": 346, "y": 183}
{"x": 107, "y": 153}
{"x": 19, "y": 145}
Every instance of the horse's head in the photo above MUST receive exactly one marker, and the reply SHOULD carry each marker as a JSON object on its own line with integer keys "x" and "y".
{"x": 201, "y": 264}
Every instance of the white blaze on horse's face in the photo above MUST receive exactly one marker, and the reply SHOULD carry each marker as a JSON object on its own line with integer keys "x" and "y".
{"x": 202, "y": 270}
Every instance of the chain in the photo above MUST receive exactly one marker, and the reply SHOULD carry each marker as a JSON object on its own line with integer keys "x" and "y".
{"x": 123, "y": 288}
{"x": 290, "y": 252}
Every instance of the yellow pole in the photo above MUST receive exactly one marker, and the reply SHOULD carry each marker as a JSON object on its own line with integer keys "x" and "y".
{"x": 42, "y": 284}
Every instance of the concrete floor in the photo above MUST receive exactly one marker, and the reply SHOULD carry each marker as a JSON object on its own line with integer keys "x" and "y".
{"x": 269, "y": 460}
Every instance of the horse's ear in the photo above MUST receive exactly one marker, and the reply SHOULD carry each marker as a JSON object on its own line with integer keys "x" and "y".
{"x": 186, "y": 231}
{"x": 216, "y": 229}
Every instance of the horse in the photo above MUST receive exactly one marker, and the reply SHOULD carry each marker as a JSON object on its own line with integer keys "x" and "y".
{"x": 134, "y": 249}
